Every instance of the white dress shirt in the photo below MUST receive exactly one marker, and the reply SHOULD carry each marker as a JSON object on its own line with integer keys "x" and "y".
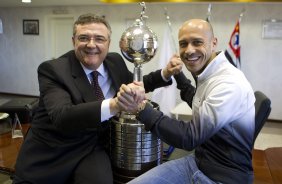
{"x": 105, "y": 83}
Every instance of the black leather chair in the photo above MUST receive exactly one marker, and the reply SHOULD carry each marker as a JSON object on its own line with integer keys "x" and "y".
{"x": 262, "y": 111}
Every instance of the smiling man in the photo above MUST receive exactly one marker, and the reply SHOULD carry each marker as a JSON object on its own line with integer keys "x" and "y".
{"x": 222, "y": 128}
{"x": 91, "y": 43}
{"x": 196, "y": 50}
{"x": 66, "y": 143}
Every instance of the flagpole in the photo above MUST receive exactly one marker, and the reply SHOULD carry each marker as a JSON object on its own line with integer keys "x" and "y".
{"x": 170, "y": 30}
{"x": 239, "y": 20}
{"x": 209, "y": 13}
{"x": 241, "y": 15}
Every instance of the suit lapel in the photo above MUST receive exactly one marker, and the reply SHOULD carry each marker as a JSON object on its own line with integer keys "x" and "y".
{"x": 114, "y": 73}
{"x": 81, "y": 81}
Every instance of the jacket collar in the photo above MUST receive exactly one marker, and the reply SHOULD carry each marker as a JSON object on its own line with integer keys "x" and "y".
{"x": 81, "y": 80}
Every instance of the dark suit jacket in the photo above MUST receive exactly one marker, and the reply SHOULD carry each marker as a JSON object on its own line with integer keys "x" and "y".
{"x": 67, "y": 126}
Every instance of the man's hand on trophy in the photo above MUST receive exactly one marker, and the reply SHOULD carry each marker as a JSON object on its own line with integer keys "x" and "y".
{"x": 130, "y": 96}
{"x": 137, "y": 87}
{"x": 174, "y": 67}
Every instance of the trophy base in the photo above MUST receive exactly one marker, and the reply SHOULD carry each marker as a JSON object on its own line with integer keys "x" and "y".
{"x": 133, "y": 149}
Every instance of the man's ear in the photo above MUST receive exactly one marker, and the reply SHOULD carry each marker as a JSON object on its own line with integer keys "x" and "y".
{"x": 214, "y": 43}
{"x": 73, "y": 40}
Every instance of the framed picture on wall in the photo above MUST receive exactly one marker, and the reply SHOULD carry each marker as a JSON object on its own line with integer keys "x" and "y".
{"x": 31, "y": 27}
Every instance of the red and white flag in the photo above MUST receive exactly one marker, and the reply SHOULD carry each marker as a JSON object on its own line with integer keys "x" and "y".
{"x": 233, "y": 50}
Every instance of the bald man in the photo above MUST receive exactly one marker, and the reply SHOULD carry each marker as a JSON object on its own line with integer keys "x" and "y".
{"x": 222, "y": 128}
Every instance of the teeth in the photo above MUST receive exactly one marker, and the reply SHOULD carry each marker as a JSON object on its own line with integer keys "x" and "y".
{"x": 193, "y": 58}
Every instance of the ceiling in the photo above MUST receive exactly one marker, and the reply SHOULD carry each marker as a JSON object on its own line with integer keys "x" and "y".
{"x": 38, "y": 3}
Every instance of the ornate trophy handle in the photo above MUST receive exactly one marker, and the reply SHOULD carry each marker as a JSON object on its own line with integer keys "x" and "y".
{"x": 142, "y": 16}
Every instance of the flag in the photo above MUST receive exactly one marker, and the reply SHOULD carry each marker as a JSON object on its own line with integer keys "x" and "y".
{"x": 233, "y": 51}
{"x": 165, "y": 97}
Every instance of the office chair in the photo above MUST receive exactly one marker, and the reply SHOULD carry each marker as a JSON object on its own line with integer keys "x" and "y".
{"x": 262, "y": 111}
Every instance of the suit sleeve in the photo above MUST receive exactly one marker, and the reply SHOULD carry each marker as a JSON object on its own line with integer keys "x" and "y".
{"x": 154, "y": 80}
{"x": 61, "y": 105}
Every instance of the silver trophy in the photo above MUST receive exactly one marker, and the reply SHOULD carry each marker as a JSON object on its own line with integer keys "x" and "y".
{"x": 133, "y": 149}
{"x": 139, "y": 44}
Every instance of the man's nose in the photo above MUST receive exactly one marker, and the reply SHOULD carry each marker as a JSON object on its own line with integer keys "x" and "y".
{"x": 91, "y": 42}
{"x": 190, "y": 49}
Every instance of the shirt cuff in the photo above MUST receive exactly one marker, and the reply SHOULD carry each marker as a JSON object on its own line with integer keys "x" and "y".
{"x": 105, "y": 110}
{"x": 162, "y": 74}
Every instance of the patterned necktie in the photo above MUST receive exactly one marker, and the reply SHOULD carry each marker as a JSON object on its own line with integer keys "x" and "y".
{"x": 97, "y": 89}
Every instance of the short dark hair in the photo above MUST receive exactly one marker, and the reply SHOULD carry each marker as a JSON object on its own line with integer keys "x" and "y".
{"x": 91, "y": 18}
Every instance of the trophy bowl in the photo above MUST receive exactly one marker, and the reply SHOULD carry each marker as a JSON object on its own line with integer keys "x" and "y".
{"x": 138, "y": 43}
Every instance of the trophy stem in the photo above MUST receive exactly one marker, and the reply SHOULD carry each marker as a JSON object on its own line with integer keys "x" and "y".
{"x": 138, "y": 74}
